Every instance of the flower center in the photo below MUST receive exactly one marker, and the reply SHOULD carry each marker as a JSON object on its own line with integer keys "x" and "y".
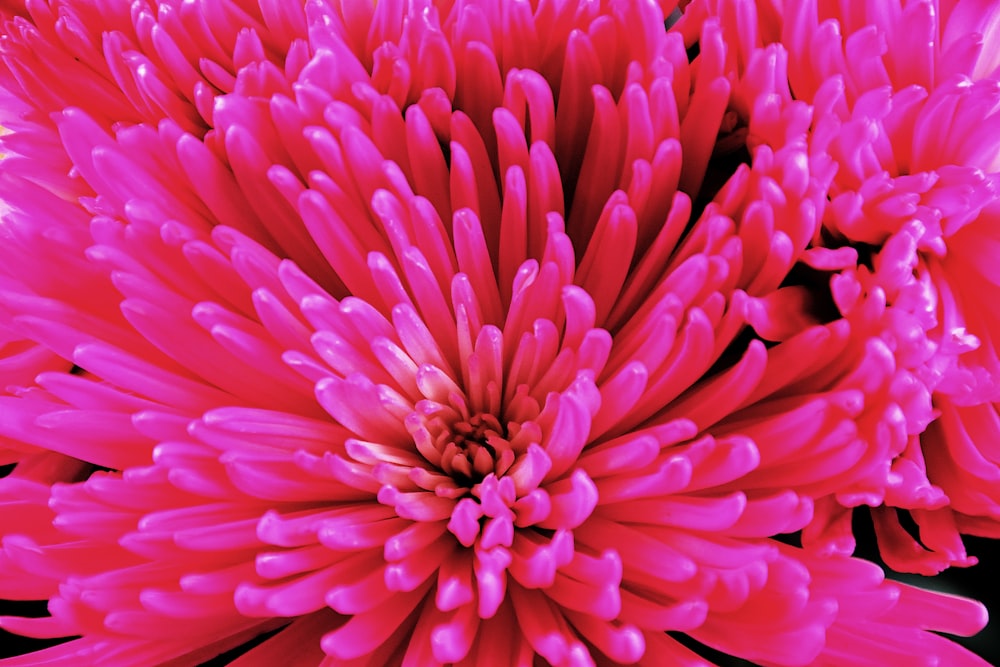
{"x": 472, "y": 448}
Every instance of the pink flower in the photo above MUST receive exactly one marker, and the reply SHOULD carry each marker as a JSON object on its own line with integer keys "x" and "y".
{"x": 434, "y": 333}
{"x": 883, "y": 80}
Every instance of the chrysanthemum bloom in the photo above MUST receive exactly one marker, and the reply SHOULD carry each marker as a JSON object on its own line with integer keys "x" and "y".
{"x": 905, "y": 100}
{"x": 425, "y": 334}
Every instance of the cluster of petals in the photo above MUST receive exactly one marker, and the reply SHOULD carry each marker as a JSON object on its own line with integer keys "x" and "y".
{"x": 412, "y": 332}
{"x": 905, "y": 101}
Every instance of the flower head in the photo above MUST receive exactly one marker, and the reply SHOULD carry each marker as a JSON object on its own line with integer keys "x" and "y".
{"x": 904, "y": 237}
{"x": 431, "y": 333}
